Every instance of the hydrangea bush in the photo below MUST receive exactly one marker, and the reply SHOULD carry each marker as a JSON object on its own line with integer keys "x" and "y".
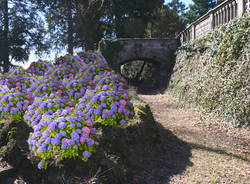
{"x": 63, "y": 102}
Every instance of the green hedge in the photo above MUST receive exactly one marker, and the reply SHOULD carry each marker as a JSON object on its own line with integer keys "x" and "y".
{"x": 213, "y": 72}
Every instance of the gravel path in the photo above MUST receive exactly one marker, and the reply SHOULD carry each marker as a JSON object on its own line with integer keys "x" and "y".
{"x": 219, "y": 154}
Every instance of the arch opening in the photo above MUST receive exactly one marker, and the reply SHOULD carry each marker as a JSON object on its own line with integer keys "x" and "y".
{"x": 141, "y": 73}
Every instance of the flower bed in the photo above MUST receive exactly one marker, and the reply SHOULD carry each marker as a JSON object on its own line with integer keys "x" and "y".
{"x": 63, "y": 102}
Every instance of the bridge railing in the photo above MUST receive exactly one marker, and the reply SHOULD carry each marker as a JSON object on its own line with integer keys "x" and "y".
{"x": 219, "y": 15}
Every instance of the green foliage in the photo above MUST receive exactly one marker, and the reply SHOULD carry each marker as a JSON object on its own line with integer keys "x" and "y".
{"x": 166, "y": 21}
{"x": 130, "y": 18}
{"x": 130, "y": 70}
{"x": 109, "y": 49}
{"x": 213, "y": 72}
{"x": 220, "y": 1}
{"x": 139, "y": 71}
{"x": 198, "y": 8}
{"x": 24, "y": 31}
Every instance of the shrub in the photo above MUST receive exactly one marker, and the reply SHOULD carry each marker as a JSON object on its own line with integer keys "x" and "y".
{"x": 63, "y": 102}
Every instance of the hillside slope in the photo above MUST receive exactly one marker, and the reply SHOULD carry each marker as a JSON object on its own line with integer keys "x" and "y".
{"x": 213, "y": 72}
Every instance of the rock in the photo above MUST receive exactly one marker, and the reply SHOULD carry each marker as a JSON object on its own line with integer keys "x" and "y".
{"x": 6, "y": 172}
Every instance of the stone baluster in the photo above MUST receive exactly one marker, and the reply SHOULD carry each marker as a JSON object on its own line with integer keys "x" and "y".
{"x": 193, "y": 36}
{"x": 232, "y": 12}
{"x": 222, "y": 15}
{"x": 183, "y": 37}
{"x": 186, "y": 36}
{"x": 226, "y": 12}
{"x": 225, "y": 15}
{"x": 247, "y": 7}
{"x": 212, "y": 21}
{"x": 215, "y": 19}
{"x": 234, "y": 9}
{"x": 189, "y": 39}
{"x": 240, "y": 7}
{"x": 217, "y": 15}
{"x": 229, "y": 12}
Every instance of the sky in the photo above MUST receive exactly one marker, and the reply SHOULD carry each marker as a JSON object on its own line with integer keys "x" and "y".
{"x": 33, "y": 57}
{"x": 187, "y": 2}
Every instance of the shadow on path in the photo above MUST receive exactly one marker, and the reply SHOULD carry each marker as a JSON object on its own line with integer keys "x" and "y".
{"x": 143, "y": 153}
{"x": 167, "y": 157}
{"x": 217, "y": 151}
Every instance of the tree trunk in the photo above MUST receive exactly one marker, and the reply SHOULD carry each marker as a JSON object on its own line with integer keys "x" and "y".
{"x": 6, "y": 61}
{"x": 70, "y": 28}
{"x": 90, "y": 42}
{"x": 140, "y": 72}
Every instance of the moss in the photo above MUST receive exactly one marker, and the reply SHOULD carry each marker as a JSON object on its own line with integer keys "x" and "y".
{"x": 13, "y": 136}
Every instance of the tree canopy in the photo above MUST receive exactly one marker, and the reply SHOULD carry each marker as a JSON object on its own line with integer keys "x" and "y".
{"x": 43, "y": 25}
{"x": 199, "y": 8}
{"x": 21, "y": 30}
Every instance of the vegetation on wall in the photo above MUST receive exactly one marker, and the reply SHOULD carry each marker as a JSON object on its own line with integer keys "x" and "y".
{"x": 109, "y": 49}
{"x": 213, "y": 72}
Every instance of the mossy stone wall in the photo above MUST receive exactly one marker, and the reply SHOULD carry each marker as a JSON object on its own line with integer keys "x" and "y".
{"x": 213, "y": 73}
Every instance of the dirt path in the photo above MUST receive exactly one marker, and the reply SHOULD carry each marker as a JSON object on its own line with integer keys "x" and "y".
{"x": 220, "y": 154}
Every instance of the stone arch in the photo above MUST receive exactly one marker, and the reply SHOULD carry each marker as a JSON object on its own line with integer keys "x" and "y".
{"x": 161, "y": 51}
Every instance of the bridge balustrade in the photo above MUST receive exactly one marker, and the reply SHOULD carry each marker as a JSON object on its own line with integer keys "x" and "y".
{"x": 221, "y": 14}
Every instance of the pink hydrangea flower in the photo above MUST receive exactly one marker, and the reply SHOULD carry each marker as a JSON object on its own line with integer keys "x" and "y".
{"x": 123, "y": 102}
{"x": 89, "y": 122}
{"x": 26, "y": 102}
{"x": 86, "y": 130}
{"x": 83, "y": 139}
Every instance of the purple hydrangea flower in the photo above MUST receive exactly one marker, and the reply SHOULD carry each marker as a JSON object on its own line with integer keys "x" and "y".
{"x": 62, "y": 125}
{"x": 122, "y": 122}
{"x": 55, "y": 141}
{"x": 72, "y": 125}
{"x": 93, "y": 131}
{"x": 78, "y": 124}
{"x": 86, "y": 154}
{"x": 63, "y": 133}
{"x": 102, "y": 98}
{"x": 90, "y": 142}
{"x": 41, "y": 149}
{"x": 75, "y": 136}
{"x": 40, "y": 165}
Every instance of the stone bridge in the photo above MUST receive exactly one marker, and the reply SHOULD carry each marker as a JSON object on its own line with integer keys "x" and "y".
{"x": 158, "y": 51}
